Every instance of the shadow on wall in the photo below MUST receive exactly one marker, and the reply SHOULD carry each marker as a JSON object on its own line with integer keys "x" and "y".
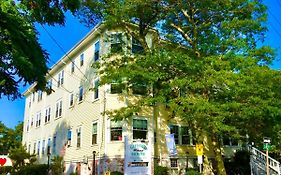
{"x": 60, "y": 139}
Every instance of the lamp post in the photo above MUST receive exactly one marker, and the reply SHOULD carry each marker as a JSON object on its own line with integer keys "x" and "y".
{"x": 94, "y": 162}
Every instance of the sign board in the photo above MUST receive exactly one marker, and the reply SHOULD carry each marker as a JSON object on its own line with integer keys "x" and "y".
{"x": 200, "y": 159}
{"x": 137, "y": 158}
{"x": 107, "y": 173}
{"x": 266, "y": 140}
{"x": 171, "y": 145}
{"x": 266, "y": 146}
{"x": 5, "y": 161}
{"x": 199, "y": 149}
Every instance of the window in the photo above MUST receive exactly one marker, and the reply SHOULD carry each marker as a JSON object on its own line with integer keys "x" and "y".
{"x": 49, "y": 86}
{"x": 82, "y": 59}
{"x": 97, "y": 51}
{"x": 71, "y": 99}
{"x": 117, "y": 88}
{"x": 49, "y": 146}
{"x": 94, "y": 133}
{"x": 33, "y": 96}
{"x": 136, "y": 46}
{"x": 59, "y": 109}
{"x": 182, "y": 134}
{"x": 139, "y": 129}
{"x": 96, "y": 89}
{"x": 27, "y": 126}
{"x": 38, "y": 148}
{"x": 78, "y": 131}
{"x": 48, "y": 114}
{"x": 229, "y": 141}
{"x": 34, "y": 148}
{"x": 116, "y": 43}
{"x": 40, "y": 94}
{"x": 69, "y": 132}
{"x": 174, "y": 163}
{"x": 31, "y": 124}
{"x": 115, "y": 130}
{"x": 38, "y": 119}
{"x": 60, "y": 78}
{"x": 72, "y": 66}
{"x": 54, "y": 144}
{"x": 43, "y": 147}
{"x": 29, "y": 148}
{"x": 29, "y": 103}
{"x": 139, "y": 88}
{"x": 81, "y": 92}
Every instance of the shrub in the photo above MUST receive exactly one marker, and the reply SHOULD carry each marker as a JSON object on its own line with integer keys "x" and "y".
{"x": 33, "y": 170}
{"x": 192, "y": 172}
{"x": 116, "y": 173}
{"x": 5, "y": 169}
{"x": 160, "y": 170}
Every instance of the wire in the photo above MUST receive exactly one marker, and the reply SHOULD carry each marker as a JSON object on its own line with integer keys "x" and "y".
{"x": 66, "y": 54}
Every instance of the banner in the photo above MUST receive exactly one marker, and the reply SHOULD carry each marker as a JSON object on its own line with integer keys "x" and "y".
{"x": 171, "y": 145}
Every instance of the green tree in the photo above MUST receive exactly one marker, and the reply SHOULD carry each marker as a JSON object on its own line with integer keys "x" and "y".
{"x": 21, "y": 157}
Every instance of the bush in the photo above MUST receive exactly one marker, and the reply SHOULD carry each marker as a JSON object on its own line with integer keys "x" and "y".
{"x": 33, "y": 170}
{"x": 192, "y": 172}
{"x": 5, "y": 169}
{"x": 116, "y": 173}
{"x": 160, "y": 170}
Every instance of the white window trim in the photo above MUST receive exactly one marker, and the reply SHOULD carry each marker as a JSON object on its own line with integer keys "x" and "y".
{"x": 95, "y": 51}
{"x": 94, "y": 92}
{"x": 95, "y": 122}
{"x": 109, "y": 133}
{"x": 141, "y": 118}
{"x": 180, "y": 134}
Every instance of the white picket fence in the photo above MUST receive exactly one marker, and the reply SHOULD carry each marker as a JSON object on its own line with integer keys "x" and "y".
{"x": 258, "y": 163}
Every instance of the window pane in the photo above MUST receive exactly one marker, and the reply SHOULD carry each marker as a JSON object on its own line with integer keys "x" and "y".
{"x": 95, "y": 128}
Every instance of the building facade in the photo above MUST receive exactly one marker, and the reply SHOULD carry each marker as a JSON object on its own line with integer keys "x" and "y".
{"x": 70, "y": 119}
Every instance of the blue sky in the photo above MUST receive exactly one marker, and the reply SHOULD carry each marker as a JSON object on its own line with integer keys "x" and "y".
{"x": 13, "y": 111}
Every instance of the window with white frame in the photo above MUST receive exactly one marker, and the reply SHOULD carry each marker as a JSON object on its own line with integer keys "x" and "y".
{"x": 117, "y": 88}
{"x": 69, "y": 133}
{"x": 136, "y": 46}
{"x": 182, "y": 135}
{"x": 29, "y": 148}
{"x": 72, "y": 66}
{"x": 81, "y": 93}
{"x": 59, "y": 108}
{"x": 31, "y": 123}
{"x": 54, "y": 144}
{"x": 116, "y": 43}
{"x": 140, "y": 129}
{"x": 43, "y": 147}
{"x": 71, "y": 99}
{"x": 97, "y": 51}
{"x": 29, "y": 103}
{"x": 47, "y": 114}
{"x": 49, "y": 86}
{"x": 94, "y": 133}
{"x": 115, "y": 130}
{"x": 38, "y": 148}
{"x": 33, "y": 96}
{"x": 174, "y": 163}
{"x": 78, "y": 136}
{"x": 49, "y": 146}
{"x": 27, "y": 126}
{"x": 34, "y": 148}
{"x": 60, "y": 78}
{"x": 40, "y": 95}
{"x": 38, "y": 119}
{"x": 96, "y": 89}
{"x": 82, "y": 59}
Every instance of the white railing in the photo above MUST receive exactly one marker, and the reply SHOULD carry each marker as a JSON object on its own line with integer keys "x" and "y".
{"x": 258, "y": 163}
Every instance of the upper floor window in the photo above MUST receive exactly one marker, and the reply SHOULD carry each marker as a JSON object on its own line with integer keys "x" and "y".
{"x": 182, "y": 135}
{"x": 31, "y": 123}
{"x": 94, "y": 133}
{"x": 96, "y": 89}
{"x": 116, "y": 43}
{"x": 81, "y": 93}
{"x": 33, "y": 96}
{"x": 49, "y": 84}
{"x": 40, "y": 94}
{"x": 229, "y": 141}
{"x": 29, "y": 101}
{"x": 58, "y": 108}
{"x": 139, "y": 88}
{"x": 117, "y": 88}
{"x": 71, "y": 99}
{"x": 38, "y": 149}
{"x": 38, "y": 119}
{"x": 27, "y": 126}
{"x": 60, "y": 78}
{"x": 34, "y": 148}
{"x": 72, "y": 66}
{"x": 78, "y": 132}
{"x": 136, "y": 46}
{"x": 139, "y": 129}
{"x": 69, "y": 133}
{"x": 115, "y": 130}
{"x": 47, "y": 114}
{"x": 54, "y": 144}
{"x": 49, "y": 146}
{"x": 82, "y": 59}
{"x": 97, "y": 51}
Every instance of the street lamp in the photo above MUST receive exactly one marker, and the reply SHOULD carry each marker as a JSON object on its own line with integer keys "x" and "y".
{"x": 94, "y": 162}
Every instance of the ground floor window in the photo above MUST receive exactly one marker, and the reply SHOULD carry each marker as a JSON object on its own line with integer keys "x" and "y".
{"x": 174, "y": 163}
{"x": 115, "y": 130}
{"x": 140, "y": 129}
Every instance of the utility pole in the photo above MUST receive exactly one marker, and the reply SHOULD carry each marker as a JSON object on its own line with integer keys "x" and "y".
{"x": 266, "y": 146}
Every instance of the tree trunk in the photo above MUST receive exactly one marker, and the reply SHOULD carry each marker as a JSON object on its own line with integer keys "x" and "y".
{"x": 218, "y": 157}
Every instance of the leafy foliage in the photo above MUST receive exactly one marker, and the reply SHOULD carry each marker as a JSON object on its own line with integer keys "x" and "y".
{"x": 57, "y": 165}
{"x": 22, "y": 58}
{"x": 160, "y": 170}
{"x": 19, "y": 155}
